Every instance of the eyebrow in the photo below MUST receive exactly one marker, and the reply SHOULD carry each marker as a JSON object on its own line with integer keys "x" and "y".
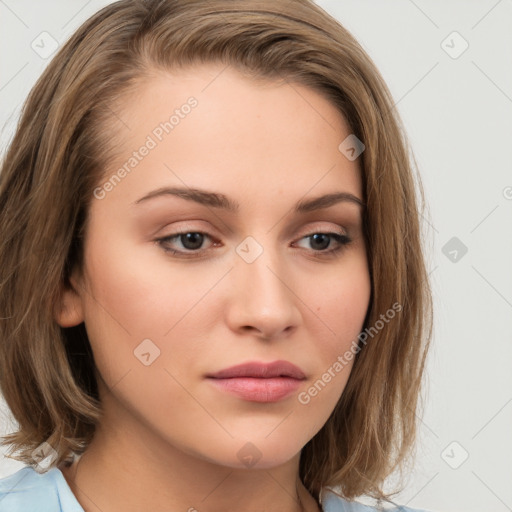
{"x": 218, "y": 200}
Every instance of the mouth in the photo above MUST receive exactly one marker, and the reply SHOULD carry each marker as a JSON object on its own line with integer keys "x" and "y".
{"x": 259, "y": 382}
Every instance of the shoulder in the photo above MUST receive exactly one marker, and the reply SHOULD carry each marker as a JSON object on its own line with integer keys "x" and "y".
{"x": 333, "y": 503}
{"x": 29, "y": 490}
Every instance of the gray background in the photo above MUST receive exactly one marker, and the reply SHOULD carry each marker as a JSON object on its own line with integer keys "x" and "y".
{"x": 457, "y": 110}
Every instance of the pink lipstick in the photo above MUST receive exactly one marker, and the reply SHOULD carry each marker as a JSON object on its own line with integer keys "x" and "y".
{"x": 259, "y": 382}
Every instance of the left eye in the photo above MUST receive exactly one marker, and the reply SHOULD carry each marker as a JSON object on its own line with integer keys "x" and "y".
{"x": 192, "y": 241}
{"x": 323, "y": 240}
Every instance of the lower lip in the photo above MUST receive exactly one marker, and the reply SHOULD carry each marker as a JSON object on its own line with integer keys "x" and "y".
{"x": 258, "y": 389}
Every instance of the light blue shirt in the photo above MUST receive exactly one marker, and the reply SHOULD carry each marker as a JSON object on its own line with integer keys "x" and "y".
{"x": 30, "y": 491}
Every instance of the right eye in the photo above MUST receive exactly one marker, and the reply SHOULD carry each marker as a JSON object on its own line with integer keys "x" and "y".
{"x": 191, "y": 242}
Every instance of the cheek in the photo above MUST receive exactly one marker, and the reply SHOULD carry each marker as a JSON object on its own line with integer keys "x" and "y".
{"x": 342, "y": 303}
{"x": 129, "y": 287}
{"x": 123, "y": 305}
{"x": 135, "y": 294}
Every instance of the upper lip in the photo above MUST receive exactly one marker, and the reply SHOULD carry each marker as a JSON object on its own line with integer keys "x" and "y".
{"x": 261, "y": 370}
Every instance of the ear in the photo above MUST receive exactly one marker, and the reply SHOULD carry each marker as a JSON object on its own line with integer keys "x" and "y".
{"x": 68, "y": 311}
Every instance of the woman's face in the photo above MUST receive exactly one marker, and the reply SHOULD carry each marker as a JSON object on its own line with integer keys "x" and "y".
{"x": 264, "y": 275}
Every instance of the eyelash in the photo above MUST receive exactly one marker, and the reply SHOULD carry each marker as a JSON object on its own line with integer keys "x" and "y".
{"x": 341, "y": 239}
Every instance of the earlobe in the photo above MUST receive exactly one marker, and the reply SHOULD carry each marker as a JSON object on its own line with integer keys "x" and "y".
{"x": 68, "y": 310}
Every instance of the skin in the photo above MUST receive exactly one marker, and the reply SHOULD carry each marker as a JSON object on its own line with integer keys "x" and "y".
{"x": 169, "y": 439}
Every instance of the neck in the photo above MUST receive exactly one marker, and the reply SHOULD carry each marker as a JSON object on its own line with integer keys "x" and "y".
{"x": 122, "y": 470}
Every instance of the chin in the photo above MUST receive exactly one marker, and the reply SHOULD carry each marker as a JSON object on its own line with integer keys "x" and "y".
{"x": 242, "y": 453}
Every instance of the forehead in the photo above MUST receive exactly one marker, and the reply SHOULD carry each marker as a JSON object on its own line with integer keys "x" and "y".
{"x": 209, "y": 124}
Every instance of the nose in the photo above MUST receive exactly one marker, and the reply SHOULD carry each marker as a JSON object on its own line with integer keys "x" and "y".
{"x": 262, "y": 299}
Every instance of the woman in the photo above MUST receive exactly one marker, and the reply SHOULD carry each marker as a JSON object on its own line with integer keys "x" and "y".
{"x": 175, "y": 336}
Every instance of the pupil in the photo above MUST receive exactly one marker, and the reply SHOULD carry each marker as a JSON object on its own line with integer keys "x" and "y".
{"x": 320, "y": 236}
{"x": 192, "y": 240}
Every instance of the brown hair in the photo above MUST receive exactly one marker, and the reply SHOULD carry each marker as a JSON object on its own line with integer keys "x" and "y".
{"x": 58, "y": 156}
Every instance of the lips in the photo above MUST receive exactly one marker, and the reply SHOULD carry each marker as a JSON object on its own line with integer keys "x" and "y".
{"x": 259, "y": 382}
{"x": 261, "y": 370}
